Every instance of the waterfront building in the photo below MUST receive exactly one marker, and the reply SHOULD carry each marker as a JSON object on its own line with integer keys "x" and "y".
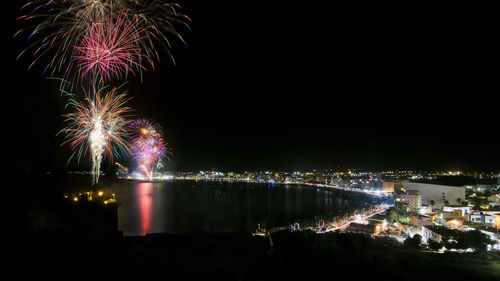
{"x": 436, "y": 195}
{"x": 373, "y": 225}
{"x": 370, "y": 228}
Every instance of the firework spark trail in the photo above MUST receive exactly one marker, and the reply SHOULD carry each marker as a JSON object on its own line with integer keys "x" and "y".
{"x": 147, "y": 144}
{"x": 97, "y": 140}
{"x": 98, "y": 124}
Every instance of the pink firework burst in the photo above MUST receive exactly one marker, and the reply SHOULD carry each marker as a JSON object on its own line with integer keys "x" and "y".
{"x": 147, "y": 144}
{"x": 110, "y": 48}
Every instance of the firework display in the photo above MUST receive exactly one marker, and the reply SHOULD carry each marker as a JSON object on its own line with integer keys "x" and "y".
{"x": 98, "y": 125}
{"x": 93, "y": 43}
{"x": 147, "y": 145}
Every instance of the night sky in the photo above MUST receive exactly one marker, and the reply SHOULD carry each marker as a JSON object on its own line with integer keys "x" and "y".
{"x": 265, "y": 85}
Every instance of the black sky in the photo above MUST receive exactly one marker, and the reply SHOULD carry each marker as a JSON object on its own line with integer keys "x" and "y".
{"x": 302, "y": 85}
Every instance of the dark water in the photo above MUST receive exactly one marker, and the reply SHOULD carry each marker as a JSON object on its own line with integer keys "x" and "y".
{"x": 186, "y": 206}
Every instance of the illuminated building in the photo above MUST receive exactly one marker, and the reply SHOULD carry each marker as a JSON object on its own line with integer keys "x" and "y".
{"x": 437, "y": 194}
{"x": 410, "y": 200}
{"x": 388, "y": 187}
{"x": 424, "y": 209}
{"x": 463, "y": 210}
{"x": 454, "y": 223}
{"x": 480, "y": 217}
{"x": 372, "y": 227}
{"x": 362, "y": 228}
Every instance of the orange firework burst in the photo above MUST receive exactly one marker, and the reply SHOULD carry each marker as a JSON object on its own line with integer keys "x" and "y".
{"x": 98, "y": 124}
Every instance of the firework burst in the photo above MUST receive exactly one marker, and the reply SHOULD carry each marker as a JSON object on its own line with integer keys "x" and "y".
{"x": 97, "y": 125}
{"x": 109, "y": 48}
{"x": 147, "y": 144}
{"x": 61, "y": 30}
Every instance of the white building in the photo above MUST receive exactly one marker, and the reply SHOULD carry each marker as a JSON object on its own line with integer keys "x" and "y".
{"x": 436, "y": 193}
{"x": 480, "y": 217}
{"x": 425, "y": 209}
{"x": 463, "y": 210}
{"x": 411, "y": 199}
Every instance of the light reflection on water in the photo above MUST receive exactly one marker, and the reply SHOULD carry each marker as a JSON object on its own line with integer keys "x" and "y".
{"x": 144, "y": 193}
{"x": 187, "y": 206}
